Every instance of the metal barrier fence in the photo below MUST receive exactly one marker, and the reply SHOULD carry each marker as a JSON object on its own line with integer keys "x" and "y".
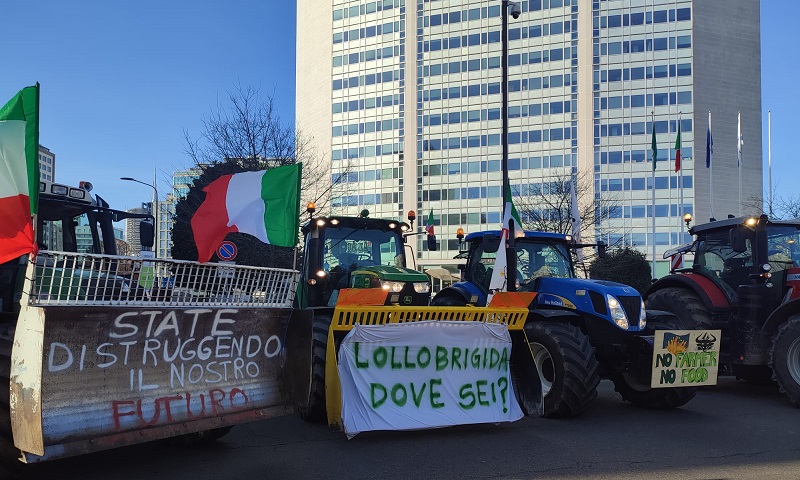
{"x": 65, "y": 278}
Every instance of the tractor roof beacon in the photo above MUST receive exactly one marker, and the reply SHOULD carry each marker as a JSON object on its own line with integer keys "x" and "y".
{"x": 591, "y": 328}
{"x": 744, "y": 280}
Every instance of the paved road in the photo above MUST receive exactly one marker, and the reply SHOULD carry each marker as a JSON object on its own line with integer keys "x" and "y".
{"x": 732, "y": 430}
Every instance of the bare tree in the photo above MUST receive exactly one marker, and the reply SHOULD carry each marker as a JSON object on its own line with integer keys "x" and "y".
{"x": 247, "y": 135}
{"x": 780, "y": 207}
{"x": 548, "y": 208}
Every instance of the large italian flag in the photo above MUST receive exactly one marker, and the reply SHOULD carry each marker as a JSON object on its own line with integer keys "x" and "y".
{"x": 264, "y": 204}
{"x": 19, "y": 173}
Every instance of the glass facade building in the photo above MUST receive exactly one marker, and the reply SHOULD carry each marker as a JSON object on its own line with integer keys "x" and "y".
{"x": 406, "y": 97}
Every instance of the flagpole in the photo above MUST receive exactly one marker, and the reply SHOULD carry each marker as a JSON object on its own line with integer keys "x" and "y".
{"x": 769, "y": 157}
{"x": 709, "y": 157}
{"x": 653, "y": 202}
{"x": 739, "y": 157}
{"x": 678, "y": 155}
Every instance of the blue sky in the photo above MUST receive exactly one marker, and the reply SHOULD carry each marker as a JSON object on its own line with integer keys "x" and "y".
{"x": 121, "y": 81}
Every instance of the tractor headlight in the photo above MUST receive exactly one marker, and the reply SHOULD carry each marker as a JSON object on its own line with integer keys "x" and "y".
{"x": 766, "y": 267}
{"x": 617, "y": 312}
{"x": 642, "y": 317}
{"x": 422, "y": 287}
{"x": 392, "y": 286}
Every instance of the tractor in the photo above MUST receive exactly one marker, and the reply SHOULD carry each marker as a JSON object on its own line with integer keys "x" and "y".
{"x": 350, "y": 252}
{"x": 745, "y": 281}
{"x": 579, "y": 330}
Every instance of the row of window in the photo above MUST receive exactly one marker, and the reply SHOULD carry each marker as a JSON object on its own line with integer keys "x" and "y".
{"x": 636, "y": 156}
{"x": 366, "y": 175}
{"x": 534, "y": 109}
{"x": 645, "y": 45}
{"x": 367, "y": 103}
{"x": 486, "y": 12}
{"x": 489, "y": 63}
{"x": 646, "y": 211}
{"x": 371, "y": 31}
{"x": 367, "y": 127}
{"x": 643, "y": 18}
{"x": 368, "y": 55}
{"x": 649, "y": 100}
{"x": 366, "y": 199}
{"x": 642, "y": 183}
{"x": 533, "y": 83}
{"x": 370, "y": 151}
{"x": 541, "y": 30}
{"x": 641, "y": 73}
{"x": 641, "y": 128}
{"x": 483, "y": 166}
{"x": 372, "y": 7}
{"x": 640, "y": 239}
{"x": 473, "y": 141}
{"x": 552, "y": 55}
{"x": 368, "y": 79}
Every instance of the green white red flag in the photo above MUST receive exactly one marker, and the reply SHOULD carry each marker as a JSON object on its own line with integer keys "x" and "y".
{"x": 264, "y": 204}
{"x": 19, "y": 173}
{"x": 429, "y": 225}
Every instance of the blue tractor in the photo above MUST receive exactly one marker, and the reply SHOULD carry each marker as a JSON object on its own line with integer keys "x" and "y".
{"x": 579, "y": 330}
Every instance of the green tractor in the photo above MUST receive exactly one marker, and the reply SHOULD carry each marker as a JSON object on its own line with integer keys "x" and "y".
{"x": 350, "y": 252}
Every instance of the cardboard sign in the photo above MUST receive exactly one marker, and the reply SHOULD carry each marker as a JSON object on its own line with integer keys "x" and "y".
{"x": 685, "y": 358}
{"x": 426, "y": 375}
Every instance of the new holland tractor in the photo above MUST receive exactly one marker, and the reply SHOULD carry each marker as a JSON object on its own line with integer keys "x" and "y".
{"x": 744, "y": 280}
{"x": 579, "y": 330}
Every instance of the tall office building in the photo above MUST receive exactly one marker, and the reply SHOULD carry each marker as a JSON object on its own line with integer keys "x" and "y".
{"x": 406, "y": 96}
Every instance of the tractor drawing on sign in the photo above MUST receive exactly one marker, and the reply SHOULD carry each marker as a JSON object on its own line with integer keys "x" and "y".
{"x": 744, "y": 280}
{"x": 579, "y": 330}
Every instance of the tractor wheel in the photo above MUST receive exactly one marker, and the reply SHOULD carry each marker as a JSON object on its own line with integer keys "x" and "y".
{"x": 640, "y": 394}
{"x": 316, "y": 411}
{"x": 567, "y": 366}
{"x": 685, "y": 304}
{"x": 784, "y": 359}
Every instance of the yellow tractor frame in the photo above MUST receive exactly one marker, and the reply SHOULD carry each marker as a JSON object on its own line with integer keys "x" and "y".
{"x": 362, "y": 307}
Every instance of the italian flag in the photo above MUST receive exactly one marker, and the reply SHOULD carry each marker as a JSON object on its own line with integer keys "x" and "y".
{"x": 19, "y": 173}
{"x": 429, "y": 226}
{"x": 264, "y": 204}
{"x": 498, "y": 282}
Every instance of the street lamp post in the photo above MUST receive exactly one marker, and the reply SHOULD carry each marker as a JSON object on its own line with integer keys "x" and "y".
{"x": 511, "y": 257}
{"x": 155, "y": 211}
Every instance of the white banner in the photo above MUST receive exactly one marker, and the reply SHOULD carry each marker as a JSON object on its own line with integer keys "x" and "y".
{"x": 430, "y": 374}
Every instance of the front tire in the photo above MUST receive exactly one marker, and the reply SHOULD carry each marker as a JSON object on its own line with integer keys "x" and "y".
{"x": 316, "y": 411}
{"x": 632, "y": 388}
{"x": 685, "y": 304}
{"x": 567, "y": 367}
{"x": 784, "y": 359}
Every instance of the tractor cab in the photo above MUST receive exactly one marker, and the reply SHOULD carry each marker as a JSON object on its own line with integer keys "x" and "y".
{"x": 538, "y": 255}
{"x": 358, "y": 252}
{"x": 745, "y": 251}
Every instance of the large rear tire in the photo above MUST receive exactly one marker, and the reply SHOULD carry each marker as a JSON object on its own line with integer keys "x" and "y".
{"x": 784, "y": 359}
{"x": 316, "y": 411}
{"x": 567, "y": 367}
{"x": 638, "y": 391}
{"x": 685, "y": 304}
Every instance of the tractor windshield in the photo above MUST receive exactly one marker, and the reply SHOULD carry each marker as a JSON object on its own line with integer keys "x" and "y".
{"x": 783, "y": 242}
{"x": 534, "y": 259}
{"x": 350, "y": 248}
